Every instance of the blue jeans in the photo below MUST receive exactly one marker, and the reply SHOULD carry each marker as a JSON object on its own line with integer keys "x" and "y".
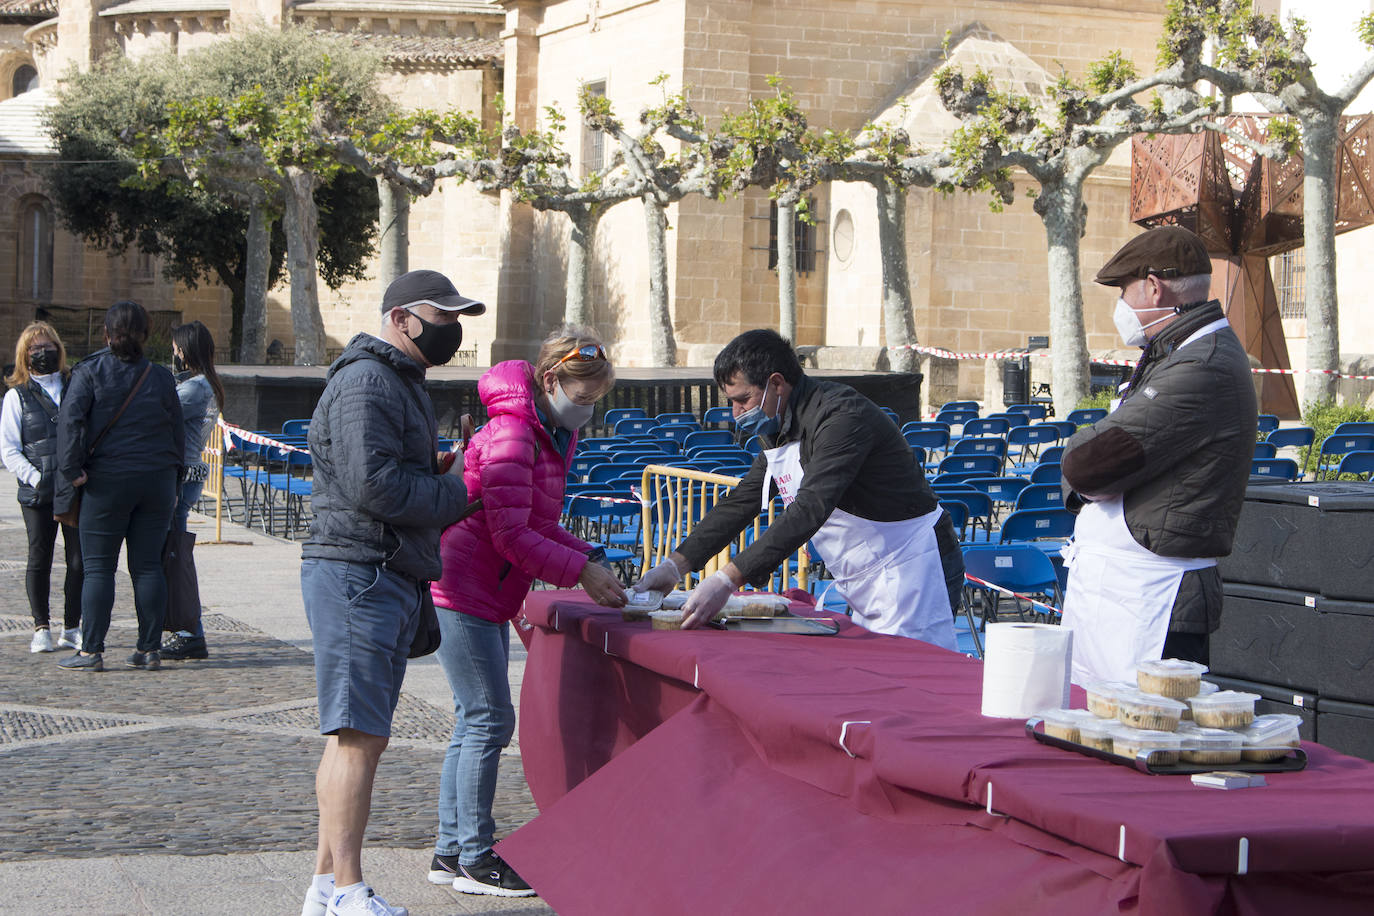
{"x": 135, "y": 511}
{"x": 474, "y": 655}
{"x": 190, "y": 495}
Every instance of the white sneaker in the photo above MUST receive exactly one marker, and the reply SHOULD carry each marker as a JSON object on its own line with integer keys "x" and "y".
{"x": 71, "y": 639}
{"x": 363, "y": 902}
{"x": 42, "y": 641}
{"x": 316, "y": 901}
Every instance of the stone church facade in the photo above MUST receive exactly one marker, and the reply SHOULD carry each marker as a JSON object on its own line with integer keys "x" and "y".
{"x": 978, "y": 278}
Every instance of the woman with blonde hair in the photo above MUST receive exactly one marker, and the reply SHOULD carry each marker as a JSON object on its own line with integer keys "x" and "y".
{"x": 28, "y": 445}
{"x": 516, "y": 466}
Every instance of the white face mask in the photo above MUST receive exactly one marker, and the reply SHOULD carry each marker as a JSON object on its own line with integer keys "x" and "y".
{"x": 1128, "y": 324}
{"x": 566, "y": 413}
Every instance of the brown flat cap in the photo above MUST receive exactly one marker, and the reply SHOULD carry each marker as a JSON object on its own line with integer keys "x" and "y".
{"x": 1169, "y": 251}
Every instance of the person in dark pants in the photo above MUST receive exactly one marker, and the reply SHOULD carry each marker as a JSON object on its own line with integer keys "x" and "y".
{"x": 128, "y": 480}
{"x": 28, "y": 443}
{"x": 202, "y": 398}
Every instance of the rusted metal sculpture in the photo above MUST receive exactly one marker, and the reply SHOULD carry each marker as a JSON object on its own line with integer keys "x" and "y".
{"x": 1247, "y": 209}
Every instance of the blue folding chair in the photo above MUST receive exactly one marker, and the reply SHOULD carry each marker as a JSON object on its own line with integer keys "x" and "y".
{"x": 928, "y": 439}
{"x": 1033, "y": 411}
{"x": 954, "y": 477}
{"x": 986, "y": 426}
{"x": 1357, "y": 463}
{"x": 636, "y": 426}
{"x": 958, "y": 515}
{"x": 1013, "y": 419}
{"x": 708, "y": 437}
{"x": 295, "y": 427}
{"x": 984, "y": 465}
{"x": 677, "y": 432}
{"x": 1018, "y": 568}
{"x": 1282, "y": 468}
{"x": 1003, "y": 491}
{"x": 910, "y": 425}
{"x": 681, "y": 417}
{"x": 1267, "y": 423}
{"x": 1354, "y": 428}
{"x": 920, "y": 455}
{"x": 891, "y": 414}
{"x": 1338, "y": 444}
{"x": 1047, "y": 472}
{"x": 1264, "y": 450}
{"x": 956, "y": 417}
{"x": 600, "y": 444}
{"x": 718, "y": 417}
{"x": 960, "y": 405}
{"x": 977, "y": 526}
{"x": 1040, "y": 496}
{"x": 1085, "y": 416}
{"x": 1037, "y": 525}
{"x": 616, "y": 414}
{"x": 1294, "y": 437}
{"x": 584, "y": 461}
{"x": 1024, "y": 442}
{"x": 754, "y": 445}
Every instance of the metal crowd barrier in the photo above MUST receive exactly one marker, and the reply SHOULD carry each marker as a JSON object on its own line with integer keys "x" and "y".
{"x": 213, "y": 455}
{"x": 676, "y": 499}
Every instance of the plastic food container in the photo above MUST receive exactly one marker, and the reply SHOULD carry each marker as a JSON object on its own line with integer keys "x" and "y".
{"x": 665, "y": 620}
{"x": 1224, "y": 709}
{"x": 1209, "y": 745}
{"x": 673, "y": 601}
{"x": 1129, "y": 742}
{"x": 1208, "y": 688}
{"x": 1170, "y": 677}
{"x": 1270, "y": 737}
{"x": 640, "y": 604}
{"x": 1102, "y": 697}
{"x": 1097, "y": 733}
{"x": 1066, "y": 723}
{"x": 756, "y": 604}
{"x": 1149, "y": 711}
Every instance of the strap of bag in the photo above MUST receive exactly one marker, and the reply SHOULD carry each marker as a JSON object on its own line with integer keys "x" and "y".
{"x": 122, "y": 407}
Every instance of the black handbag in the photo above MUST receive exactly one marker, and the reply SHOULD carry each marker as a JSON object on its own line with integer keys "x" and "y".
{"x": 183, "y": 586}
{"x": 427, "y": 635}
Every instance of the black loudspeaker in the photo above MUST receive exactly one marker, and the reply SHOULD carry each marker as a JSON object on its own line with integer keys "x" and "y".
{"x": 1346, "y": 727}
{"x": 1277, "y": 699}
{"x": 1310, "y": 537}
{"x": 1347, "y": 629}
{"x": 1268, "y": 635}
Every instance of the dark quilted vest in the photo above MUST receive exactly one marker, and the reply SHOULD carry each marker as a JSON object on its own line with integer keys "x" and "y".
{"x": 38, "y": 432}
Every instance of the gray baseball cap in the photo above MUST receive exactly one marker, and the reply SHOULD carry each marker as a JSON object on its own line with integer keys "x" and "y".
{"x": 432, "y": 288}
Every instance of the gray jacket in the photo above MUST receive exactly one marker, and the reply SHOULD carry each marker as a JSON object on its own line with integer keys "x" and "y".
{"x": 198, "y": 413}
{"x": 373, "y": 436}
{"x": 1178, "y": 448}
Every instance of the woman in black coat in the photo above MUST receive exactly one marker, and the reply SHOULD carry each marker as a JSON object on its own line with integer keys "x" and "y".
{"x": 126, "y": 468}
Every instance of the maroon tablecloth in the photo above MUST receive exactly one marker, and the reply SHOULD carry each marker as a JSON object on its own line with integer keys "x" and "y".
{"x": 733, "y": 787}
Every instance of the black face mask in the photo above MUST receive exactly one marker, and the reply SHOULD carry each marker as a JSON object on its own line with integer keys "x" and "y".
{"x": 44, "y": 361}
{"x": 437, "y": 342}
{"x": 178, "y": 364}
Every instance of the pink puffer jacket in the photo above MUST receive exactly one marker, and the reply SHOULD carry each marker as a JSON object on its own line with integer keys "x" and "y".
{"x": 492, "y": 557}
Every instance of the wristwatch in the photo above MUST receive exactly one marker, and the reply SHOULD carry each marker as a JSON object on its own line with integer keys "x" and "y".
{"x": 597, "y": 555}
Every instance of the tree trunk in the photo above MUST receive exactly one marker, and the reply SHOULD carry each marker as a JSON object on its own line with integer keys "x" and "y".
{"x": 787, "y": 269}
{"x": 302, "y": 248}
{"x": 578, "y": 308}
{"x": 257, "y": 260}
{"x": 394, "y": 217}
{"x": 1319, "y": 148}
{"x": 664, "y": 347}
{"x": 898, "y": 320}
{"x": 1061, "y": 209}
{"x": 234, "y": 283}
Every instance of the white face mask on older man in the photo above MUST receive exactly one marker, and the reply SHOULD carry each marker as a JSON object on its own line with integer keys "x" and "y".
{"x": 1128, "y": 324}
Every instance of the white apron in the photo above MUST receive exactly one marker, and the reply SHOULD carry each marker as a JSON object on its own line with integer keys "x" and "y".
{"x": 1120, "y": 595}
{"x": 888, "y": 572}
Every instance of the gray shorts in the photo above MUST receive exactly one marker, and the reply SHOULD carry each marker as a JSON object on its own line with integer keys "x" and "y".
{"x": 362, "y": 620}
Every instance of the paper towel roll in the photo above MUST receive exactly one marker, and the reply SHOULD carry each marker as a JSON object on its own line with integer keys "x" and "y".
{"x": 1026, "y": 669}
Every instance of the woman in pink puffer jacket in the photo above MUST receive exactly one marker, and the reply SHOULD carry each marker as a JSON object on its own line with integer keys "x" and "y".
{"x": 516, "y": 466}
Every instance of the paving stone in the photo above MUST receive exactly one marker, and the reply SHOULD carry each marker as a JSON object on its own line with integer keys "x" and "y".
{"x": 19, "y": 725}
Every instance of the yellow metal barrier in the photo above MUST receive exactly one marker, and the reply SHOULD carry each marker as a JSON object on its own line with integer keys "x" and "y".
{"x": 675, "y": 499}
{"x": 213, "y": 455}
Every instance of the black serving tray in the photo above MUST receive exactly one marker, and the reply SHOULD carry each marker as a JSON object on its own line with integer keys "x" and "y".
{"x": 1295, "y": 761}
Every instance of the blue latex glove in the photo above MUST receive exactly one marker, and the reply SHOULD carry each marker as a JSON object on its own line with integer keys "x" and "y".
{"x": 707, "y": 598}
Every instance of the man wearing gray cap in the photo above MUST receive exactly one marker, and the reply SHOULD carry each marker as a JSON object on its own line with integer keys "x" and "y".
{"x": 1158, "y": 484}
{"x": 381, "y": 500}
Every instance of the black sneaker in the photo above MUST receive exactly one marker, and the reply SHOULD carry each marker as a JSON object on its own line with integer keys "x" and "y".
{"x": 79, "y": 662}
{"x": 443, "y": 869}
{"x": 148, "y": 660}
{"x": 180, "y": 648}
{"x": 491, "y": 875}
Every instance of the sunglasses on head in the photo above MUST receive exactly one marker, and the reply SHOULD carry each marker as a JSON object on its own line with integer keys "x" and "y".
{"x": 585, "y": 354}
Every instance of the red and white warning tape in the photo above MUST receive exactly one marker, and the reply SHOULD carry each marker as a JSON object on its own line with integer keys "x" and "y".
{"x": 1017, "y": 354}
{"x": 256, "y": 438}
{"x": 983, "y": 583}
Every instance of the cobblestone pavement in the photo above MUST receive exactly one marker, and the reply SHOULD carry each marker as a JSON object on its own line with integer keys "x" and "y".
{"x": 136, "y": 772}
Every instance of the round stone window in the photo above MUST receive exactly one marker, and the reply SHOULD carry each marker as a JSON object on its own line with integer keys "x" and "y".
{"x": 843, "y": 237}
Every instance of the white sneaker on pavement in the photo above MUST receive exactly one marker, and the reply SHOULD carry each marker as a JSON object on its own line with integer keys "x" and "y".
{"x": 364, "y": 902}
{"x": 71, "y": 639}
{"x": 42, "y": 641}
{"x": 316, "y": 902}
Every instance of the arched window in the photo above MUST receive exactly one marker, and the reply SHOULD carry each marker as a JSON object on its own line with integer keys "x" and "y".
{"x": 35, "y": 250}
{"x": 25, "y": 79}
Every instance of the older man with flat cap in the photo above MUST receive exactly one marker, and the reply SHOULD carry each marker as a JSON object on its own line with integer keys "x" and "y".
{"x": 1158, "y": 483}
